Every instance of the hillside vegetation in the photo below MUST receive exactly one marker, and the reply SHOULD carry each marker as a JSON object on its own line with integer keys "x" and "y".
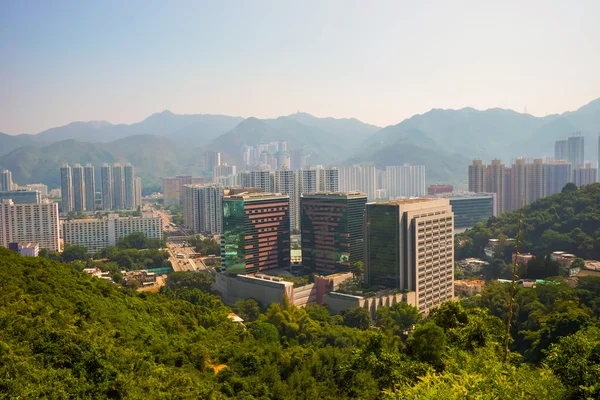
{"x": 64, "y": 334}
{"x": 567, "y": 221}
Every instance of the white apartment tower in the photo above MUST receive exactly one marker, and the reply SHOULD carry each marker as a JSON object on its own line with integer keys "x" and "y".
{"x": 30, "y": 223}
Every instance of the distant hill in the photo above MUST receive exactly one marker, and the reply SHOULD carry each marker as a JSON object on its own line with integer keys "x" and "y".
{"x": 152, "y": 156}
{"x": 10, "y": 142}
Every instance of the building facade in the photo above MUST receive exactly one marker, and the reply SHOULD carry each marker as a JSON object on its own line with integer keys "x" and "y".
{"x": 129, "y": 187}
{"x": 22, "y": 196}
{"x": 286, "y": 182}
{"x": 118, "y": 174}
{"x": 98, "y": 233}
{"x": 30, "y": 223}
{"x": 78, "y": 188}
{"x": 585, "y": 175}
{"x": 470, "y": 208}
{"x": 332, "y": 230}
{"x": 405, "y": 181}
{"x": 256, "y": 232}
{"x": 203, "y": 208}
{"x": 6, "y": 183}
{"x": 410, "y": 247}
{"x": 90, "y": 187}
{"x": 107, "y": 187}
{"x": 66, "y": 189}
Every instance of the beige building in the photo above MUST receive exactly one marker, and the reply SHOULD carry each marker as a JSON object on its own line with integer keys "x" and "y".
{"x": 30, "y": 223}
{"x": 98, "y": 233}
{"x": 410, "y": 247}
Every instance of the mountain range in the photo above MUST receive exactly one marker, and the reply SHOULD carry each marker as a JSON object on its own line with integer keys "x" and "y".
{"x": 166, "y": 143}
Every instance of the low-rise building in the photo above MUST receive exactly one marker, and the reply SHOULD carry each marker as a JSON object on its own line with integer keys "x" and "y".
{"x": 472, "y": 265}
{"x": 565, "y": 259}
{"x": 29, "y": 249}
{"x": 522, "y": 259}
{"x": 98, "y": 233}
{"x": 464, "y": 288}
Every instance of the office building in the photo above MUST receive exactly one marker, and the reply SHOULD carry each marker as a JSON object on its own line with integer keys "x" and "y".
{"x": 286, "y": 182}
{"x": 90, "y": 187}
{"x": 98, "y": 233}
{"x": 439, "y": 189}
{"x": 223, "y": 170}
{"x": 405, "y": 181}
{"x": 138, "y": 192}
{"x": 476, "y": 177}
{"x": 256, "y": 232}
{"x": 560, "y": 149}
{"x": 118, "y": 174}
{"x": 575, "y": 150}
{"x": 585, "y": 175}
{"x": 469, "y": 208}
{"x": 66, "y": 189}
{"x": 558, "y": 174}
{"x": 6, "y": 183}
{"x": 211, "y": 159}
{"x": 38, "y": 187}
{"x": 129, "y": 182}
{"x": 78, "y": 188}
{"x": 410, "y": 247}
{"x": 203, "y": 208}
{"x": 22, "y": 196}
{"x": 30, "y": 223}
{"x": 107, "y": 187}
{"x": 332, "y": 230}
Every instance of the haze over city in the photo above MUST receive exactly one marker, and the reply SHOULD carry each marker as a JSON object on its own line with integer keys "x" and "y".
{"x": 122, "y": 61}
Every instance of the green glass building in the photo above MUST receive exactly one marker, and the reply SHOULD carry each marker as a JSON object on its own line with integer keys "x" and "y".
{"x": 256, "y": 232}
{"x": 332, "y": 226}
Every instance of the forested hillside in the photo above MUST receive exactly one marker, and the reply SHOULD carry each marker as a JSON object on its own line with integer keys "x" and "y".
{"x": 567, "y": 221}
{"x": 64, "y": 334}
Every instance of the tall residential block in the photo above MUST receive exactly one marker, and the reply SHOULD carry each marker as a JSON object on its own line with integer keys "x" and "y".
{"x": 359, "y": 178}
{"x": 6, "y": 183}
{"x": 560, "y": 149}
{"x": 256, "y": 232}
{"x": 223, "y": 170}
{"x": 405, "y": 181}
{"x": 90, "y": 187}
{"x": 38, "y": 187}
{"x": 171, "y": 191}
{"x": 410, "y": 246}
{"x": 575, "y": 150}
{"x": 203, "y": 208}
{"x": 332, "y": 230}
{"x": 66, "y": 189}
{"x": 118, "y": 174}
{"x": 558, "y": 174}
{"x": 518, "y": 195}
{"x": 211, "y": 159}
{"x": 107, "y": 187}
{"x": 36, "y": 223}
{"x": 477, "y": 177}
{"x": 585, "y": 175}
{"x": 98, "y": 233}
{"x": 78, "y": 188}
{"x": 286, "y": 182}
{"x": 536, "y": 180}
{"x": 262, "y": 179}
{"x": 138, "y": 192}
{"x": 495, "y": 183}
{"x": 129, "y": 186}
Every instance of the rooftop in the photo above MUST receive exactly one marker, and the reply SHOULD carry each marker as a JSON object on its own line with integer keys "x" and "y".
{"x": 335, "y": 194}
{"x": 256, "y": 196}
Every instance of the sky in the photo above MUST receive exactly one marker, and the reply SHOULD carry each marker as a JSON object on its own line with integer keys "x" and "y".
{"x": 378, "y": 61}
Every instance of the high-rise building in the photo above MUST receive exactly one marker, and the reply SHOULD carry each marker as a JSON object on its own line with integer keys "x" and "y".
{"x": 256, "y": 232}
{"x": 90, "y": 187}
{"x": 286, "y": 182}
{"x": 223, "y": 170}
{"x": 575, "y": 150}
{"x": 171, "y": 191}
{"x": 585, "y": 175}
{"x": 78, "y": 188}
{"x": 211, "y": 159}
{"x": 129, "y": 183}
{"x": 98, "y": 233}
{"x": 405, "y": 181}
{"x": 332, "y": 230}
{"x": 495, "y": 183}
{"x": 329, "y": 180}
{"x": 476, "y": 177}
{"x": 203, "y": 208}
{"x": 118, "y": 187}
{"x": 519, "y": 185}
{"x": 469, "y": 208}
{"x": 30, "y": 223}
{"x": 558, "y": 174}
{"x": 6, "y": 183}
{"x": 22, "y": 196}
{"x": 107, "y": 187}
{"x": 410, "y": 246}
{"x": 560, "y": 149}
{"x": 138, "y": 192}
{"x": 66, "y": 189}
{"x": 298, "y": 159}
{"x": 263, "y": 179}
{"x": 536, "y": 180}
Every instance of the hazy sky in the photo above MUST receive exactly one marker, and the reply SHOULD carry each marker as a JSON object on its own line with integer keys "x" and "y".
{"x": 378, "y": 61}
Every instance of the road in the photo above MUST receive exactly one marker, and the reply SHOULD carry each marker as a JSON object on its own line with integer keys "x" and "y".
{"x": 188, "y": 262}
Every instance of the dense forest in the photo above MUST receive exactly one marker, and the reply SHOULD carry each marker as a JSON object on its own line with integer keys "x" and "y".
{"x": 567, "y": 221}
{"x": 65, "y": 334}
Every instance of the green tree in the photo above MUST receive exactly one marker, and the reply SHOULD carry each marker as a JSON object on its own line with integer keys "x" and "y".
{"x": 248, "y": 309}
{"x": 190, "y": 280}
{"x": 357, "y": 268}
{"x": 578, "y": 263}
{"x": 428, "y": 343}
{"x": 357, "y": 317}
{"x": 72, "y": 253}
{"x": 399, "y": 317}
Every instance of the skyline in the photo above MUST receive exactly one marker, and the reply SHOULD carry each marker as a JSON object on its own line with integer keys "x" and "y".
{"x": 68, "y": 62}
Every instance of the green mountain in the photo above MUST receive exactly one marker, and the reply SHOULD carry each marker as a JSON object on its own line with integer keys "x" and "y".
{"x": 10, "y": 142}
